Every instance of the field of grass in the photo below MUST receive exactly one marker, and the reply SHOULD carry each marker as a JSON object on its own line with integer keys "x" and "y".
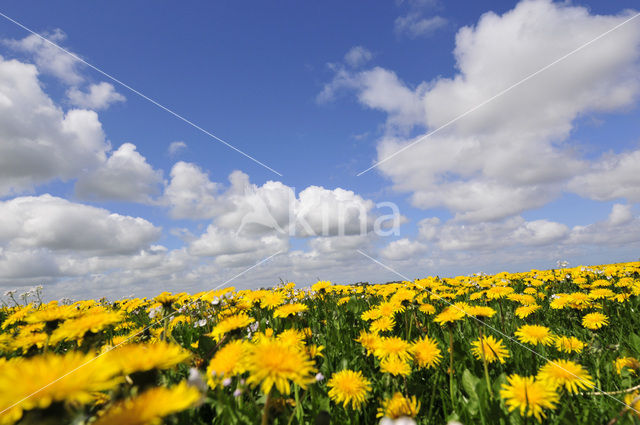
{"x": 554, "y": 347}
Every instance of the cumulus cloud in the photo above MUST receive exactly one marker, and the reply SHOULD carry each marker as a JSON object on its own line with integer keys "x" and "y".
{"x": 619, "y": 229}
{"x": 46, "y": 238}
{"x": 620, "y": 214}
{"x": 415, "y": 25}
{"x": 357, "y": 56}
{"x": 49, "y": 58}
{"x": 491, "y": 235}
{"x": 125, "y": 176}
{"x": 233, "y": 250}
{"x": 403, "y": 249}
{"x": 382, "y": 90}
{"x": 509, "y": 155}
{"x": 99, "y": 96}
{"x": 613, "y": 176}
{"x": 59, "y": 225}
{"x": 247, "y": 208}
{"x": 190, "y": 193}
{"x": 38, "y": 140}
{"x": 176, "y": 147}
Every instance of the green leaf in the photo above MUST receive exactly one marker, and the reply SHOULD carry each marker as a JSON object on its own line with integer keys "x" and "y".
{"x": 470, "y": 383}
{"x": 634, "y": 342}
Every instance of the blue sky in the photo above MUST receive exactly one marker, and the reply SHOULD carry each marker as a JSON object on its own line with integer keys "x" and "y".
{"x": 318, "y": 92}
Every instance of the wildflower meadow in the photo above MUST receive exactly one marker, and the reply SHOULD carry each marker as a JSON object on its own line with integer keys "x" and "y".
{"x": 551, "y": 347}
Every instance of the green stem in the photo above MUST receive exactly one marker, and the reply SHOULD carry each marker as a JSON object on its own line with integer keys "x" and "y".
{"x": 484, "y": 362}
{"x": 451, "y": 364}
{"x": 265, "y": 410}
{"x": 165, "y": 323}
{"x": 501, "y": 313}
{"x": 433, "y": 394}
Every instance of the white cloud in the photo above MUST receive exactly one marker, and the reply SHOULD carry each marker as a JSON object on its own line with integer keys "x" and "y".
{"x": 176, "y": 147}
{"x": 49, "y": 58}
{"x": 513, "y": 231}
{"x": 38, "y": 141}
{"x": 99, "y": 96}
{"x": 323, "y": 211}
{"x": 415, "y": 25}
{"x": 252, "y": 209}
{"x": 338, "y": 245}
{"x": 380, "y": 89}
{"x": 620, "y": 228}
{"x": 125, "y": 176}
{"x": 511, "y": 154}
{"x": 249, "y": 209}
{"x": 55, "y": 224}
{"x": 190, "y": 193}
{"x": 403, "y": 249}
{"x": 357, "y": 56}
{"x": 611, "y": 177}
{"x": 217, "y": 242}
{"x": 620, "y": 214}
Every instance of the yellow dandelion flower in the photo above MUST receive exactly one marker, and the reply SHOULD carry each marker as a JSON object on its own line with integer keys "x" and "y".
{"x": 633, "y": 400}
{"x": 559, "y": 301}
{"x": 369, "y": 341}
{"x": 395, "y": 366}
{"x": 321, "y": 286}
{"x": 165, "y": 299}
{"x": 271, "y": 362}
{"x": 231, "y": 323}
{"x": 498, "y": 292}
{"x": 426, "y": 352}
{"x": 25, "y": 340}
{"x": 535, "y": 334}
{"x": 392, "y": 346}
{"x": 132, "y": 358}
{"x": 383, "y": 324}
{"x": 36, "y": 382}
{"x": 398, "y": 406}
{"x": 630, "y": 363}
{"x": 314, "y": 350}
{"x": 481, "y": 311}
{"x": 272, "y": 299}
{"x": 565, "y": 373}
{"x": 17, "y": 316}
{"x": 151, "y": 406}
{"x": 449, "y": 315}
{"x": 292, "y": 337}
{"x": 75, "y": 329}
{"x": 348, "y": 386}
{"x": 595, "y": 321}
{"x": 620, "y": 298}
{"x": 371, "y": 314}
{"x": 227, "y": 362}
{"x": 526, "y": 310}
{"x": 343, "y": 300}
{"x": 494, "y": 349}
{"x": 133, "y": 304}
{"x": 529, "y": 396}
{"x": 569, "y": 344}
{"x": 579, "y": 300}
{"x": 427, "y": 308}
{"x": 390, "y": 308}
{"x": 52, "y": 315}
{"x": 601, "y": 293}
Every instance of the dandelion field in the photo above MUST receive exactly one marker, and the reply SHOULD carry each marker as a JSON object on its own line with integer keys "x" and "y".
{"x": 554, "y": 347}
